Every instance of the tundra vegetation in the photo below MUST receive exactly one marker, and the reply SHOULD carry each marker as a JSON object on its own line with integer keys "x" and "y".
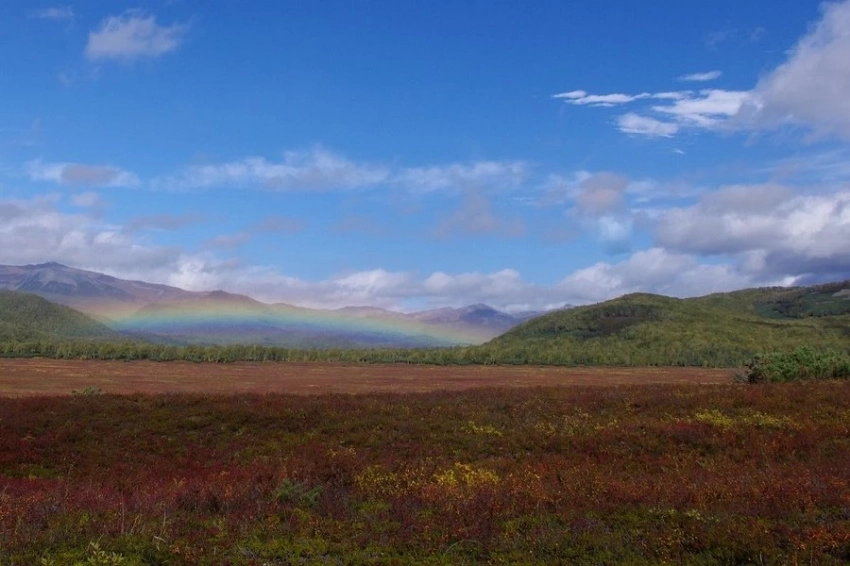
{"x": 724, "y": 474}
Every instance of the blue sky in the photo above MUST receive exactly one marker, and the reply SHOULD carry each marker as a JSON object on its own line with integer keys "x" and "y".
{"x": 420, "y": 154}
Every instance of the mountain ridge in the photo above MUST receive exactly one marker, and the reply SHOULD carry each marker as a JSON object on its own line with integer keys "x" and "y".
{"x": 175, "y": 315}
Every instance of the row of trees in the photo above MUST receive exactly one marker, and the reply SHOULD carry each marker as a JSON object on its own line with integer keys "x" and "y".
{"x": 685, "y": 351}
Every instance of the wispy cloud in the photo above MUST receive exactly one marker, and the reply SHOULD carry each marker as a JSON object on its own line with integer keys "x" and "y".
{"x": 631, "y": 123}
{"x": 163, "y": 222}
{"x": 315, "y": 169}
{"x": 476, "y": 217}
{"x": 80, "y": 174}
{"x": 582, "y": 98}
{"x": 280, "y": 225}
{"x": 54, "y": 13}
{"x": 319, "y": 169}
{"x": 474, "y": 176}
{"x": 133, "y": 35}
{"x": 809, "y": 90}
{"x": 669, "y": 112}
{"x": 701, "y": 77}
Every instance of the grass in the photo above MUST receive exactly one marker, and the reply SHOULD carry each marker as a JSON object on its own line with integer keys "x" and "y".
{"x": 721, "y": 474}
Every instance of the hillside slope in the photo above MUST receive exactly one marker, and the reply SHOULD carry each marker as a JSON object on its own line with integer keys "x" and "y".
{"x": 718, "y": 329}
{"x": 25, "y": 317}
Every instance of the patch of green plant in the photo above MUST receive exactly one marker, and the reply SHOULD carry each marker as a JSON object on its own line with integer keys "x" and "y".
{"x": 801, "y": 364}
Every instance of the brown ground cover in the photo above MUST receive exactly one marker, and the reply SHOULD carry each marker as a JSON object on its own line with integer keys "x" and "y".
{"x": 26, "y": 377}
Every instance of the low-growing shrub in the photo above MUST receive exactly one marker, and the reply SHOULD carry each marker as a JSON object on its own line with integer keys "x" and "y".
{"x": 804, "y": 363}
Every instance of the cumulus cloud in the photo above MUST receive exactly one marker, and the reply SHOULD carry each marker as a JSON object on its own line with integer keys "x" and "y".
{"x": 35, "y": 230}
{"x": 133, "y": 35}
{"x": 655, "y": 270}
{"x": 771, "y": 230}
{"x": 701, "y": 77}
{"x": 810, "y": 88}
{"x": 80, "y": 175}
{"x": 601, "y": 193}
{"x": 599, "y": 207}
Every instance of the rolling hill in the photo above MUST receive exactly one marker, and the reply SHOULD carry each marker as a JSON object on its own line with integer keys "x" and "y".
{"x": 718, "y": 329}
{"x": 26, "y": 317}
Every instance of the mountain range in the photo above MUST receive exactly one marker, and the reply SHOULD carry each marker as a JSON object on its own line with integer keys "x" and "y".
{"x": 166, "y": 314}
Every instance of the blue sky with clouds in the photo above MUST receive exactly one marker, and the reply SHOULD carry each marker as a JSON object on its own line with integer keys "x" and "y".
{"x": 420, "y": 154}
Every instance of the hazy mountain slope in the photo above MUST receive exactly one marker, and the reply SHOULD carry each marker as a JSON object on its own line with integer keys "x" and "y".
{"x": 26, "y": 317}
{"x": 98, "y": 295}
{"x": 172, "y": 315}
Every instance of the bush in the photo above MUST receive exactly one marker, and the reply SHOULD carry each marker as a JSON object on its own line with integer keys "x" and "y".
{"x": 802, "y": 364}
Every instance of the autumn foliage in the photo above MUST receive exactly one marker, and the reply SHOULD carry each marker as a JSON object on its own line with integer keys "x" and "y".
{"x": 721, "y": 474}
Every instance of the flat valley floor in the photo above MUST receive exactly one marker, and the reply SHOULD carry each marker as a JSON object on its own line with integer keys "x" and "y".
{"x": 28, "y": 377}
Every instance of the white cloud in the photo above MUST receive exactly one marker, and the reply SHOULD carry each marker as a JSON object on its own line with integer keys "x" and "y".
{"x": 132, "y": 35}
{"x": 478, "y": 175}
{"x": 320, "y": 169}
{"x": 701, "y": 77}
{"x": 631, "y": 123}
{"x": 601, "y": 193}
{"x": 34, "y": 231}
{"x": 706, "y": 109}
{"x": 810, "y": 233}
{"x": 772, "y": 231}
{"x": 655, "y": 271}
{"x": 710, "y": 108}
{"x": 316, "y": 169}
{"x": 582, "y": 98}
{"x": 80, "y": 175}
{"x": 54, "y": 13}
{"x": 810, "y": 88}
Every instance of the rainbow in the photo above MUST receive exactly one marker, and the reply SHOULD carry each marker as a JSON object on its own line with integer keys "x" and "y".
{"x": 232, "y": 319}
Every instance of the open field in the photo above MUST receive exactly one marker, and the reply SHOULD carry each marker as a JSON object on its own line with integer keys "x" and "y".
{"x": 23, "y": 377}
{"x": 630, "y": 474}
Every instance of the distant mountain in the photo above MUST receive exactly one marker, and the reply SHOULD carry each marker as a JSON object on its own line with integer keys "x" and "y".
{"x": 25, "y": 317}
{"x": 718, "y": 329}
{"x": 172, "y": 315}
{"x": 96, "y": 294}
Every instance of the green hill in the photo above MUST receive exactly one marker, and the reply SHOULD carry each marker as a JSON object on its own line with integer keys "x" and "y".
{"x": 722, "y": 329}
{"x": 25, "y": 317}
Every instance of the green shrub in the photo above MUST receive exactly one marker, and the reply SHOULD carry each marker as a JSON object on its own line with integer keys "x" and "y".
{"x": 804, "y": 363}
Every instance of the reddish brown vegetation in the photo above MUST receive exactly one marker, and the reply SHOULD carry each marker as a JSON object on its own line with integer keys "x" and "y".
{"x": 627, "y": 474}
{"x": 21, "y": 377}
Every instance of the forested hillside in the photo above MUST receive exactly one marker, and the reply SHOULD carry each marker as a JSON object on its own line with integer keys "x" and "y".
{"x": 719, "y": 329}
{"x": 25, "y": 317}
